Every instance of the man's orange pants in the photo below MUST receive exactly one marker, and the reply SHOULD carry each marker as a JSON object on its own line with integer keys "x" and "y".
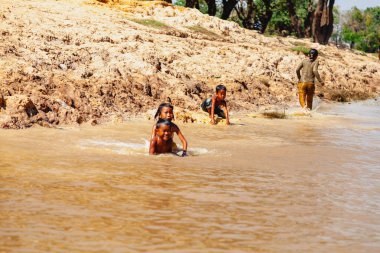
{"x": 305, "y": 94}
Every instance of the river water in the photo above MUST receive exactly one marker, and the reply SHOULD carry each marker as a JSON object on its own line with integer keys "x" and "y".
{"x": 303, "y": 184}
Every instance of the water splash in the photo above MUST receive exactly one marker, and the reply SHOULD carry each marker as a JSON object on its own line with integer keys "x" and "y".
{"x": 117, "y": 147}
{"x": 131, "y": 148}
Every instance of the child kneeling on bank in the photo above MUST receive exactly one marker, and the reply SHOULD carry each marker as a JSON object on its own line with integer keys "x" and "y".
{"x": 217, "y": 105}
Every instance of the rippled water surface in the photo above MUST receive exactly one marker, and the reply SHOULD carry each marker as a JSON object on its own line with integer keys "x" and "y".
{"x": 304, "y": 184}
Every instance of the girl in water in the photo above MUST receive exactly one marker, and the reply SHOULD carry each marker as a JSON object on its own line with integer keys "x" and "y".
{"x": 162, "y": 142}
{"x": 165, "y": 111}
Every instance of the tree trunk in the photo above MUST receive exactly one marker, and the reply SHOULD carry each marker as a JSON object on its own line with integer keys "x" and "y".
{"x": 228, "y": 6}
{"x": 294, "y": 18}
{"x": 317, "y": 20}
{"x": 309, "y": 19}
{"x": 323, "y": 23}
{"x": 192, "y": 4}
{"x": 211, "y": 7}
{"x": 267, "y": 16}
{"x": 246, "y": 14}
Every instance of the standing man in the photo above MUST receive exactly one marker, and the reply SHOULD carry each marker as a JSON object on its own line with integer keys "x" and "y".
{"x": 306, "y": 86}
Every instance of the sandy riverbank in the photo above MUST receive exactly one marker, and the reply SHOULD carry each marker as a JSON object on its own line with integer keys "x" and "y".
{"x": 75, "y": 62}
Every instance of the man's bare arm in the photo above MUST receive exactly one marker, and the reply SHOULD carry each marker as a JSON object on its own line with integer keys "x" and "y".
{"x": 298, "y": 71}
{"x": 316, "y": 73}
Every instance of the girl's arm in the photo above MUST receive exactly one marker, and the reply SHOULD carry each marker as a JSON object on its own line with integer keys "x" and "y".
{"x": 153, "y": 132}
{"x": 213, "y": 100}
{"x": 152, "y": 146}
{"x": 183, "y": 140}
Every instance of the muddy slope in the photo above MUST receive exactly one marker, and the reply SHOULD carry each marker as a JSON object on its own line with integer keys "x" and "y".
{"x": 72, "y": 62}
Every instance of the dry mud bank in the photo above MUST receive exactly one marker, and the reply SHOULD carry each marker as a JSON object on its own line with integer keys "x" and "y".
{"x": 72, "y": 62}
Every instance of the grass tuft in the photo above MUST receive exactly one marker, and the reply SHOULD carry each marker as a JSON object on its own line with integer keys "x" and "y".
{"x": 202, "y": 30}
{"x": 302, "y": 49}
{"x": 151, "y": 23}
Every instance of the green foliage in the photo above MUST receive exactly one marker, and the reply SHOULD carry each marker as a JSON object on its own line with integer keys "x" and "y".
{"x": 370, "y": 42}
{"x": 280, "y": 19}
{"x": 151, "y": 23}
{"x": 280, "y": 22}
{"x": 350, "y": 35}
{"x": 202, "y": 5}
{"x": 357, "y": 15}
{"x": 362, "y": 29}
{"x": 336, "y": 13}
{"x": 337, "y": 32}
{"x": 180, "y": 2}
{"x": 301, "y": 49}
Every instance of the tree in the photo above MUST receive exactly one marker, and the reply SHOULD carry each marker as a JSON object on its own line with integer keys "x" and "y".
{"x": 192, "y": 4}
{"x": 337, "y": 34}
{"x": 265, "y": 14}
{"x": 309, "y": 19}
{"x": 246, "y": 12}
{"x": 323, "y": 21}
{"x": 201, "y": 5}
{"x": 351, "y": 36}
{"x": 296, "y": 23}
{"x": 286, "y": 16}
{"x": 362, "y": 29}
{"x": 228, "y": 6}
{"x": 211, "y": 7}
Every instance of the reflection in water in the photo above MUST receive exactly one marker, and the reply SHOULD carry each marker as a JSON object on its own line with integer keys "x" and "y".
{"x": 299, "y": 185}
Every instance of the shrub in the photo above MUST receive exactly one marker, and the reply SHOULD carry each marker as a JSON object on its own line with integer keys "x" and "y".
{"x": 302, "y": 49}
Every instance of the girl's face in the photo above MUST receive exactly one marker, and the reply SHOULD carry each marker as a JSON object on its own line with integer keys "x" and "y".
{"x": 167, "y": 113}
{"x": 164, "y": 132}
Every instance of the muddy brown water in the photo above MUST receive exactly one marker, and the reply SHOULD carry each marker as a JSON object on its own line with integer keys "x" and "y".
{"x": 304, "y": 184}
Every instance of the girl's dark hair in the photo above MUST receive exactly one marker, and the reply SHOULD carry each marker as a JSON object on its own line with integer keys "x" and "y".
{"x": 163, "y": 122}
{"x": 220, "y": 87}
{"x": 163, "y": 105}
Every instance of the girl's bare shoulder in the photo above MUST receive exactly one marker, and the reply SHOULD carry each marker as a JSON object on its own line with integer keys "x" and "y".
{"x": 175, "y": 128}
